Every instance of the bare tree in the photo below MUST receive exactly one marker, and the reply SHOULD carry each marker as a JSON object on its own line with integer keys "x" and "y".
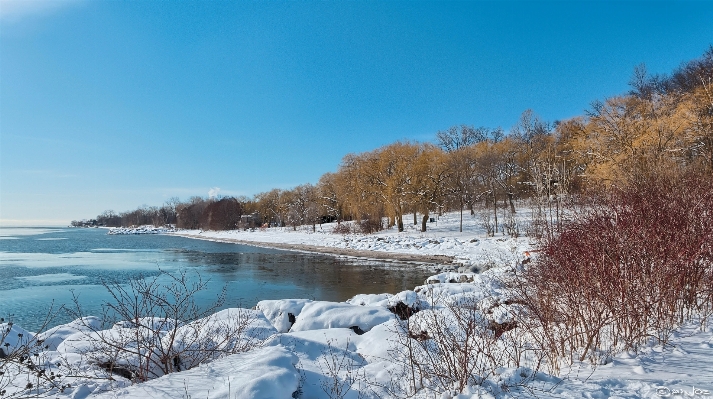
{"x": 457, "y": 137}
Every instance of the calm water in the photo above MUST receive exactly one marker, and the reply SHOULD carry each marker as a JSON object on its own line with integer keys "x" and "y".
{"x": 44, "y": 266}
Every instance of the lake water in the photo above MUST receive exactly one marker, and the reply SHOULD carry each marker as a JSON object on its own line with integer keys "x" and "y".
{"x": 40, "y": 267}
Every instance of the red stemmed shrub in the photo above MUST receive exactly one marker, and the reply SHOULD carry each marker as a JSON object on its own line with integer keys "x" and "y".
{"x": 630, "y": 266}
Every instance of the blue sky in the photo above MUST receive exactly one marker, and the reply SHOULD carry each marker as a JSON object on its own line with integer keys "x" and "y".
{"x": 113, "y": 104}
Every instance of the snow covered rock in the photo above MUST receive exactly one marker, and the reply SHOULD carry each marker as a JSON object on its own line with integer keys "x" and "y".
{"x": 370, "y": 299}
{"x": 230, "y": 330}
{"x": 451, "y": 277}
{"x": 320, "y": 315}
{"x": 282, "y": 313}
{"x": 56, "y": 335}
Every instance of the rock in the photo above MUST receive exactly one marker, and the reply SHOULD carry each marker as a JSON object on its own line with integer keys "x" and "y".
{"x": 421, "y": 336}
{"x": 357, "y": 330}
{"x": 402, "y": 310}
{"x": 113, "y": 368}
{"x": 501, "y": 328}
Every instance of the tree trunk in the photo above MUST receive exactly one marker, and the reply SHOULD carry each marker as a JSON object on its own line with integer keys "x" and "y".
{"x": 424, "y": 221}
{"x": 495, "y": 211}
{"x": 512, "y": 204}
{"x": 461, "y": 215}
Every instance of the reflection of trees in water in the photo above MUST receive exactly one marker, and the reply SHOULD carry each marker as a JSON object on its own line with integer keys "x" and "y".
{"x": 333, "y": 278}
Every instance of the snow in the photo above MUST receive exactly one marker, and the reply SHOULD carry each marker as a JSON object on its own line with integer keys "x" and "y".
{"x": 292, "y": 346}
{"x": 54, "y": 336}
{"x": 278, "y": 311}
{"x": 370, "y": 299}
{"x": 297, "y": 360}
{"x": 148, "y": 229}
{"x": 264, "y": 373}
{"x": 472, "y": 249}
{"x": 14, "y": 337}
{"x": 321, "y": 315}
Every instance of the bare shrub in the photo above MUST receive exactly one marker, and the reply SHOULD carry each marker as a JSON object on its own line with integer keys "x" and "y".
{"x": 631, "y": 266}
{"x": 342, "y": 228}
{"x": 25, "y": 369}
{"x": 152, "y": 328}
{"x": 370, "y": 225}
{"x": 457, "y": 346}
{"x": 510, "y": 225}
{"x": 487, "y": 223}
{"x": 342, "y": 372}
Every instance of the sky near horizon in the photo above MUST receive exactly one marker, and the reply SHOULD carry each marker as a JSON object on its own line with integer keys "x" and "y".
{"x": 116, "y": 104}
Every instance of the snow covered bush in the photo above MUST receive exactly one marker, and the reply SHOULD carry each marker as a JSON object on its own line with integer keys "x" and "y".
{"x": 152, "y": 328}
{"x": 459, "y": 346}
{"x": 26, "y": 370}
{"x": 631, "y": 266}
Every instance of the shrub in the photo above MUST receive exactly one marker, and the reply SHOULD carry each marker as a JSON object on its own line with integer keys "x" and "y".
{"x": 631, "y": 265}
{"x": 26, "y": 371}
{"x": 342, "y": 228}
{"x": 457, "y": 346}
{"x": 370, "y": 225}
{"x": 152, "y": 328}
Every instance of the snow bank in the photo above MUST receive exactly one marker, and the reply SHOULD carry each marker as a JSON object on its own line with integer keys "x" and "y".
{"x": 264, "y": 373}
{"x": 370, "y": 299}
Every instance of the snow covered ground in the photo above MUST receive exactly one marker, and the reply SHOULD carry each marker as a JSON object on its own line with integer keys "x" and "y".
{"x": 470, "y": 248}
{"x": 354, "y": 349}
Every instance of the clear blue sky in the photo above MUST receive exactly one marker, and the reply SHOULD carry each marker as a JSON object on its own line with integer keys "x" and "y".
{"x": 113, "y": 104}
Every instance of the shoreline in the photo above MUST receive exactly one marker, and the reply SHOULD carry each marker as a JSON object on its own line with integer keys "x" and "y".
{"x": 438, "y": 260}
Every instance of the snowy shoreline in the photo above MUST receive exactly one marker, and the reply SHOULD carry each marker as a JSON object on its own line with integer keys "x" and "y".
{"x": 437, "y": 262}
{"x": 294, "y": 343}
{"x": 442, "y": 247}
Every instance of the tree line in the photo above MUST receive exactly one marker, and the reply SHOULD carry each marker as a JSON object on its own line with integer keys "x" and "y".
{"x": 663, "y": 125}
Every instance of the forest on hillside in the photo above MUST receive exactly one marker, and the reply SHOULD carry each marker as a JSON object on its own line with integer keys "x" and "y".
{"x": 663, "y": 127}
